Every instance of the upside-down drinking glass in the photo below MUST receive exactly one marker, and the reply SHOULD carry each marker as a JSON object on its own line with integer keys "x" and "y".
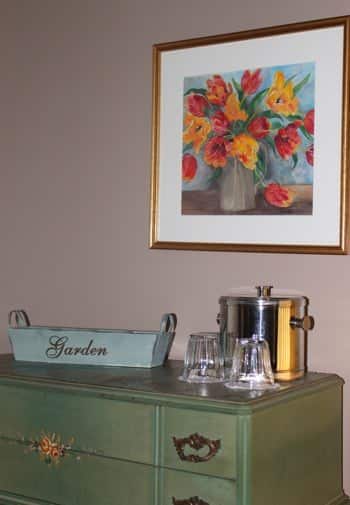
{"x": 251, "y": 365}
{"x": 203, "y": 359}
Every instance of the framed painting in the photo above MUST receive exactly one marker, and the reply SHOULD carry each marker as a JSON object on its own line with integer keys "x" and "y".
{"x": 250, "y": 140}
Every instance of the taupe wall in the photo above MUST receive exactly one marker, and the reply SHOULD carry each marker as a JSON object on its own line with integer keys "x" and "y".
{"x": 75, "y": 130}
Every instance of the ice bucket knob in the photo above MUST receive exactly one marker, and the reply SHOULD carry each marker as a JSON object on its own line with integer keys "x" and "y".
{"x": 264, "y": 291}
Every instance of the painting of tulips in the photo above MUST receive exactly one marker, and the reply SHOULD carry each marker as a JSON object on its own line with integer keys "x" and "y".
{"x": 248, "y": 141}
{"x": 251, "y": 141}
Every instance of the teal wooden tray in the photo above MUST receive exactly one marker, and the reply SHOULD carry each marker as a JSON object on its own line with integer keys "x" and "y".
{"x": 87, "y": 346}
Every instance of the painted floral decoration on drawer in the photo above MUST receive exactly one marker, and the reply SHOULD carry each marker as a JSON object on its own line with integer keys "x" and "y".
{"x": 50, "y": 447}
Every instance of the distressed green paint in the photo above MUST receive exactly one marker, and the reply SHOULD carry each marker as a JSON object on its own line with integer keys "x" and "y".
{"x": 281, "y": 448}
{"x": 181, "y": 423}
{"x": 243, "y": 450}
{"x": 88, "y": 480}
{"x": 296, "y": 451}
{"x": 114, "y": 482}
{"x": 96, "y": 424}
{"x": 154, "y": 386}
{"x": 11, "y": 499}
{"x": 183, "y": 485}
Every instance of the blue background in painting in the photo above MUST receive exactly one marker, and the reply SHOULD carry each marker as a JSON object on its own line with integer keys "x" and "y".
{"x": 280, "y": 170}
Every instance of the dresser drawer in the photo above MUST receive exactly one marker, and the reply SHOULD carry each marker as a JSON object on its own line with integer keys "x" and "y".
{"x": 180, "y": 487}
{"x": 88, "y": 480}
{"x": 200, "y": 442}
{"x": 92, "y": 424}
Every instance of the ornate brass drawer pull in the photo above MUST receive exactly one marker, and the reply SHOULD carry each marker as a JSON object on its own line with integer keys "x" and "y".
{"x": 191, "y": 501}
{"x": 197, "y": 442}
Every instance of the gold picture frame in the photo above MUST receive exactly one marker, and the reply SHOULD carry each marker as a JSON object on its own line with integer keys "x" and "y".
{"x": 305, "y": 145}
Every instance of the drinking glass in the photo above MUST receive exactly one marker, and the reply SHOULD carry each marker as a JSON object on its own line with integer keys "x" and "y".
{"x": 251, "y": 365}
{"x": 203, "y": 361}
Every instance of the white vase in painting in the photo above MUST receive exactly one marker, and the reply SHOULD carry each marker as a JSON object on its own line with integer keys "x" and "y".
{"x": 237, "y": 189}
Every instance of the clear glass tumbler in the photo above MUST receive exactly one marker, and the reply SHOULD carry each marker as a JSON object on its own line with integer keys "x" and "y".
{"x": 251, "y": 365}
{"x": 204, "y": 361}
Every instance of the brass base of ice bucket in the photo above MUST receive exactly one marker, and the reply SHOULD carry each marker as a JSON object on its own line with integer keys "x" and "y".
{"x": 289, "y": 375}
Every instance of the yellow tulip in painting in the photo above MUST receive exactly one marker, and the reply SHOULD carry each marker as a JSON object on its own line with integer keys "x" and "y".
{"x": 280, "y": 97}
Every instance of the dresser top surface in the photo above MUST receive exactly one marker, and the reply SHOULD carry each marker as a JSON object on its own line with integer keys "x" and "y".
{"x": 149, "y": 382}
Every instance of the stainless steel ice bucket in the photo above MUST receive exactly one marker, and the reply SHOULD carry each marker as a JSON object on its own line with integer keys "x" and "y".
{"x": 282, "y": 320}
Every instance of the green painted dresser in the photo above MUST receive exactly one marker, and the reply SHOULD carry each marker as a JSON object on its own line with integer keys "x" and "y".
{"x": 73, "y": 435}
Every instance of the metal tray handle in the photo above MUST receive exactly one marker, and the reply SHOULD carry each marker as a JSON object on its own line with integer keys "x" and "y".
{"x": 18, "y": 318}
{"x": 168, "y": 323}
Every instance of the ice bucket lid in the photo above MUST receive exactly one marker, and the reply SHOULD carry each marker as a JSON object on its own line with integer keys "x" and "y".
{"x": 261, "y": 295}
